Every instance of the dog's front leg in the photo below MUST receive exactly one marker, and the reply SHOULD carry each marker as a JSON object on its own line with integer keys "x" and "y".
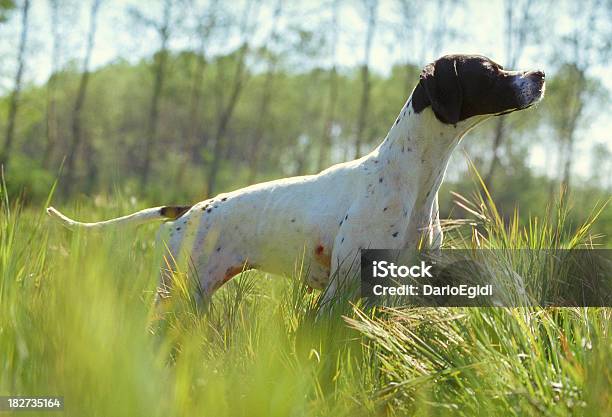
{"x": 344, "y": 274}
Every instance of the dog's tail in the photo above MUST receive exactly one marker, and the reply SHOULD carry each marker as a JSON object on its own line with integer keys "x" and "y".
{"x": 140, "y": 217}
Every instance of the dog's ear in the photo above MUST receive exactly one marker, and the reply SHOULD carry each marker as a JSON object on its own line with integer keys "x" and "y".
{"x": 440, "y": 81}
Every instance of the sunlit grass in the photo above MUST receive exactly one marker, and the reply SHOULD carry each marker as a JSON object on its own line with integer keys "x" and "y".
{"x": 76, "y": 321}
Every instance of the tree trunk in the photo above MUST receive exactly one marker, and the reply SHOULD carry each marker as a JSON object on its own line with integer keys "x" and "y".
{"x": 224, "y": 118}
{"x": 363, "y": 109}
{"x": 515, "y": 36}
{"x": 195, "y": 140}
{"x": 161, "y": 57}
{"x": 191, "y": 141}
{"x": 91, "y": 167}
{"x": 77, "y": 134}
{"x": 571, "y": 132}
{"x": 228, "y": 109}
{"x": 194, "y": 101}
{"x": 326, "y": 144}
{"x": 303, "y": 154}
{"x": 262, "y": 120}
{"x": 51, "y": 125}
{"x": 567, "y": 164}
{"x": 14, "y": 99}
{"x": 365, "y": 76}
{"x": 266, "y": 97}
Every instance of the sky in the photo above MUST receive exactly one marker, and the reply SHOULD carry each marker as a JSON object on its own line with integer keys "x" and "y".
{"x": 478, "y": 28}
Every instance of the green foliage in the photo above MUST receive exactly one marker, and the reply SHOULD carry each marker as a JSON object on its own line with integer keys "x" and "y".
{"x": 6, "y": 6}
{"x": 28, "y": 178}
{"x": 525, "y": 196}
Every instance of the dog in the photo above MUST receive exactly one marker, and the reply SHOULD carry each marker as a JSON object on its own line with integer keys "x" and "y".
{"x": 386, "y": 199}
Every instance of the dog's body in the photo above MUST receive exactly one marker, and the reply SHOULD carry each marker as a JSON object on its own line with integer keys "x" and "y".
{"x": 387, "y": 199}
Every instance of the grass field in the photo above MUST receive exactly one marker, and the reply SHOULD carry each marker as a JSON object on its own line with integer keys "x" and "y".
{"x": 75, "y": 321}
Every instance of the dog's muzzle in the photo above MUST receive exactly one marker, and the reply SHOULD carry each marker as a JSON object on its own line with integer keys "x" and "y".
{"x": 530, "y": 87}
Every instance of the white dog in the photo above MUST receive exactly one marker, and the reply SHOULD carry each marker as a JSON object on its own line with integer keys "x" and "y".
{"x": 387, "y": 199}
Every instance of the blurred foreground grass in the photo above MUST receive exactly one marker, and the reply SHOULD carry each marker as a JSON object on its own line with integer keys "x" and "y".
{"x": 74, "y": 321}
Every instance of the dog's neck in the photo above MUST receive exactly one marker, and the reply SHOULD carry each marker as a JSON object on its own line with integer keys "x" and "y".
{"x": 416, "y": 152}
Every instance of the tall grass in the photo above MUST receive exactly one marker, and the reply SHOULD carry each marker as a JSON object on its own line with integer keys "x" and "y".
{"x": 76, "y": 321}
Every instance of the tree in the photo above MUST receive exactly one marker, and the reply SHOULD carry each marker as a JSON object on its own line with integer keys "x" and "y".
{"x": 585, "y": 45}
{"x": 521, "y": 27}
{"x": 602, "y": 167}
{"x": 330, "y": 114}
{"x": 51, "y": 125}
{"x": 307, "y": 47}
{"x": 226, "y": 107}
{"x": 371, "y": 8}
{"x": 6, "y": 6}
{"x": 77, "y": 128}
{"x": 423, "y": 30}
{"x": 163, "y": 30}
{"x": 204, "y": 30}
{"x": 266, "y": 95}
{"x": 195, "y": 140}
{"x": 15, "y": 95}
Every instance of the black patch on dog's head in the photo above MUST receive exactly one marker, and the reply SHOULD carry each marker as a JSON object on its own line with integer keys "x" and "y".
{"x": 458, "y": 87}
{"x": 439, "y": 87}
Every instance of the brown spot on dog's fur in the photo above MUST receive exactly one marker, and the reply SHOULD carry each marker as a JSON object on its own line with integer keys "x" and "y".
{"x": 232, "y": 271}
{"x": 322, "y": 258}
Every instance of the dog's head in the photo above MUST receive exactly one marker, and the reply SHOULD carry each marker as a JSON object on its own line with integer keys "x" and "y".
{"x": 458, "y": 87}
